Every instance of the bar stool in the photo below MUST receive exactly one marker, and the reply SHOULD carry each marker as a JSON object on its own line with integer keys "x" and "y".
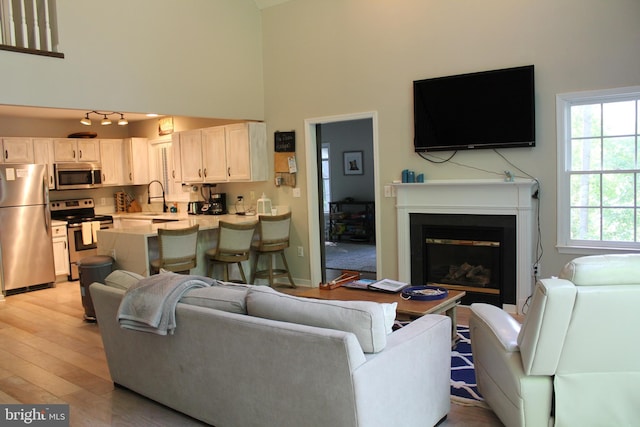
{"x": 177, "y": 250}
{"x": 234, "y": 246}
{"x": 273, "y": 234}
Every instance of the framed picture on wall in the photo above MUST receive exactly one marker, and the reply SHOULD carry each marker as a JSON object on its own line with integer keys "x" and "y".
{"x": 353, "y": 163}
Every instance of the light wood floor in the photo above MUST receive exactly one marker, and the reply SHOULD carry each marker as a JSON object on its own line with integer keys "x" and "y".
{"x": 49, "y": 354}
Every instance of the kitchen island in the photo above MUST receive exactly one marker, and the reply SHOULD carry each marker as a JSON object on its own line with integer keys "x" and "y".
{"x": 133, "y": 243}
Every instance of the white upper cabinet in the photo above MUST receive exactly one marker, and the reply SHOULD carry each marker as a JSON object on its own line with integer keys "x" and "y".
{"x": 191, "y": 156}
{"x": 17, "y": 150}
{"x": 235, "y": 152}
{"x": 136, "y": 161}
{"x": 214, "y": 154}
{"x": 247, "y": 152}
{"x": 174, "y": 161}
{"x": 43, "y": 154}
{"x": 112, "y": 155}
{"x": 76, "y": 150}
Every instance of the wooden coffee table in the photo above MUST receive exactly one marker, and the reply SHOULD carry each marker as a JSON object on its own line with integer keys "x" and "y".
{"x": 410, "y": 309}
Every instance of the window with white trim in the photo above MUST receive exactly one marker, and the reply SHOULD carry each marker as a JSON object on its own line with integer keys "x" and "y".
{"x": 599, "y": 169}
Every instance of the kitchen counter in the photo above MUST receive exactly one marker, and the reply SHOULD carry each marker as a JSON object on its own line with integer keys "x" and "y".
{"x": 147, "y": 224}
{"x": 134, "y": 244}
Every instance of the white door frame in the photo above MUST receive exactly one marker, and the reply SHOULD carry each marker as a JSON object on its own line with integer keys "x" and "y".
{"x": 312, "y": 185}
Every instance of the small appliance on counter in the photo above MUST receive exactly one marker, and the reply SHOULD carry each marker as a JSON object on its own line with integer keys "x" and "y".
{"x": 216, "y": 203}
{"x": 195, "y": 208}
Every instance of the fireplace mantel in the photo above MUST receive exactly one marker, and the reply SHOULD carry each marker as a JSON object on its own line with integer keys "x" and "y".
{"x": 477, "y": 197}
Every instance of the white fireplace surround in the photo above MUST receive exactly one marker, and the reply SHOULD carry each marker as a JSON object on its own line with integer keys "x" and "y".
{"x": 476, "y": 197}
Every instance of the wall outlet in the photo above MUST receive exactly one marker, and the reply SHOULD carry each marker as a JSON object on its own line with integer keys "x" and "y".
{"x": 537, "y": 270}
{"x": 252, "y": 195}
{"x": 300, "y": 251}
{"x": 112, "y": 254}
{"x": 296, "y": 192}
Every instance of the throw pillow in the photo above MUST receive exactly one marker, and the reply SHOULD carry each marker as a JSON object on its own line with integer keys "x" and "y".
{"x": 228, "y": 298}
{"x": 389, "y": 315}
{"x": 122, "y": 279}
{"x": 365, "y": 319}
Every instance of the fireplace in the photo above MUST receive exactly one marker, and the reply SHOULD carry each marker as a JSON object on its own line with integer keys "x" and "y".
{"x": 469, "y": 221}
{"x": 473, "y": 253}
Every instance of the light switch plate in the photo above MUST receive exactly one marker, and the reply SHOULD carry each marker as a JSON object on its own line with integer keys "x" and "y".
{"x": 296, "y": 192}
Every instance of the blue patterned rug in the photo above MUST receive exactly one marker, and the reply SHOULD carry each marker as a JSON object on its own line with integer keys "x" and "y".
{"x": 464, "y": 389}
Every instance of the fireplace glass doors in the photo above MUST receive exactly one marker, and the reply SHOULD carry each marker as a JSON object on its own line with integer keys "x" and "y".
{"x": 474, "y": 253}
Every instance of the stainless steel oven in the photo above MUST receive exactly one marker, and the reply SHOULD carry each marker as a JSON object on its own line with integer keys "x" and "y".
{"x": 78, "y": 212}
{"x": 74, "y": 176}
{"x": 78, "y": 249}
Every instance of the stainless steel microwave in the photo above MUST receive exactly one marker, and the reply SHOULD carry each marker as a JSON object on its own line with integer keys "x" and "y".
{"x": 72, "y": 176}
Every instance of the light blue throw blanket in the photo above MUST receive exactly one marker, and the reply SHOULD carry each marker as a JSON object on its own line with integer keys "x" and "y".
{"x": 150, "y": 304}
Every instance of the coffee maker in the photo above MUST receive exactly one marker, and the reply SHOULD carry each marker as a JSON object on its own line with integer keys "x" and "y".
{"x": 217, "y": 204}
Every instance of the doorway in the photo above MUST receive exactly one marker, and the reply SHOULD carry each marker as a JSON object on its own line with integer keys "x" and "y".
{"x": 343, "y": 168}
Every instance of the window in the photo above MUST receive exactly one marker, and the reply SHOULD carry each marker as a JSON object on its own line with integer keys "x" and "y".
{"x": 599, "y": 170}
{"x": 326, "y": 178}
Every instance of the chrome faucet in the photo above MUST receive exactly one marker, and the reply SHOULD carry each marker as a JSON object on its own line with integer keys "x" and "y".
{"x": 164, "y": 203}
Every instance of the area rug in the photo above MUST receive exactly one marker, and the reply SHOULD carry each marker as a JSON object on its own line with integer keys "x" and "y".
{"x": 464, "y": 390}
{"x": 350, "y": 256}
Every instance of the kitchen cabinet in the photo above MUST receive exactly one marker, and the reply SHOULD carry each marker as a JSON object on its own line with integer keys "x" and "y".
{"x": 76, "y": 150}
{"x": 202, "y": 153}
{"x": 43, "y": 154}
{"x": 214, "y": 154}
{"x": 17, "y": 150}
{"x": 112, "y": 161}
{"x": 227, "y": 153}
{"x": 175, "y": 162}
{"x": 191, "y": 156}
{"x": 136, "y": 161}
{"x": 60, "y": 250}
{"x": 246, "y": 152}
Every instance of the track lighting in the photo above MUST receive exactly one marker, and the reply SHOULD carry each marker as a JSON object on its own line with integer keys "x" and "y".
{"x": 105, "y": 118}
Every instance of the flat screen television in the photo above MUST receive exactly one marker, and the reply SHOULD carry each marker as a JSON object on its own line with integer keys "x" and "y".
{"x": 489, "y": 109}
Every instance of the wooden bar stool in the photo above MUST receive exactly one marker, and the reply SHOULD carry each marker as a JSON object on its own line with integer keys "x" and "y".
{"x": 234, "y": 246}
{"x": 273, "y": 234}
{"x": 177, "y": 250}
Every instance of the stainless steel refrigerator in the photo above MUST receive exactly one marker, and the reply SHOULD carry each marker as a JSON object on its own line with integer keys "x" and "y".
{"x": 26, "y": 250}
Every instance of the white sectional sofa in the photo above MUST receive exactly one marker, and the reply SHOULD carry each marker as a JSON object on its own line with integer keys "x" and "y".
{"x": 251, "y": 356}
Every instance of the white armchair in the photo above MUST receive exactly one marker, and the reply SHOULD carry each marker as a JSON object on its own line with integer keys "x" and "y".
{"x": 575, "y": 359}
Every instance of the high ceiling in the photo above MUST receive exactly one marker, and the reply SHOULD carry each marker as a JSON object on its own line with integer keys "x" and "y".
{"x": 59, "y": 113}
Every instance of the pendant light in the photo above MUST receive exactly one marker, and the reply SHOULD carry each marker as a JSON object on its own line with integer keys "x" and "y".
{"x": 105, "y": 118}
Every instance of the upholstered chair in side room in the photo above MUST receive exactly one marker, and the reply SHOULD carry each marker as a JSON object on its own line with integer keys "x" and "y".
{"x": 273, "y": 239}
{"x": 234, "y": 246}
{"x": 177, "y": 250}
{"x": 574, "y": 360}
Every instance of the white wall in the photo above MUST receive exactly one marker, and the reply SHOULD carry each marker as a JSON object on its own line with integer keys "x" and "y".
{"x": 198, "y": 58}
{"x": 331, "y": 57}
